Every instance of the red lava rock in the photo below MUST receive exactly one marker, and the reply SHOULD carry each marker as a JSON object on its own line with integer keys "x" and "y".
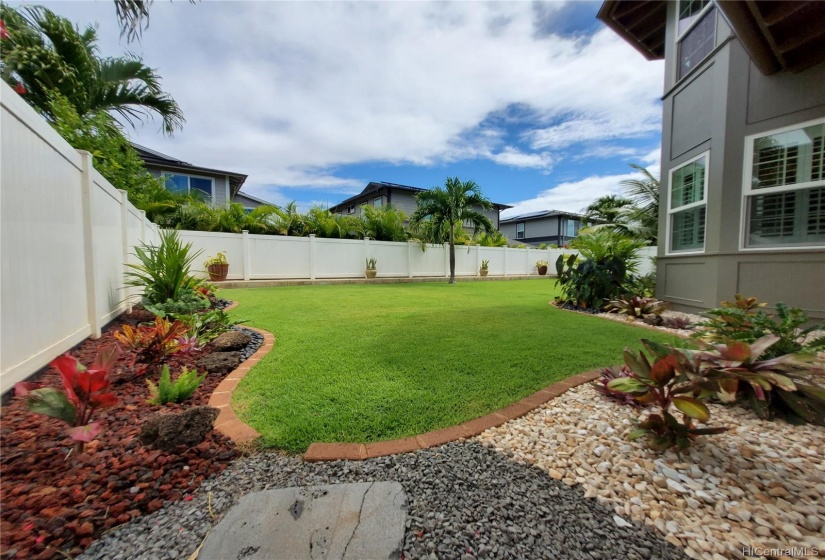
{"x": 44, "y": 482}
{"x": 86, "y": 529}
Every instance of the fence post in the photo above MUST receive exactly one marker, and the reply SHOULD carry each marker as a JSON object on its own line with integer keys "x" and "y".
{"x": 505, "y": 261}
{"x": 529, "y": 269}
{"x": 124, "y": 230}
{"x": 247, "y": 257}
{"x": 409, "y": 259}
{"x": 446, "y": 260}
{"x": 478, "y": 260}
{"x": 366, "y": 251}
{"x": 312, "y": 256}
{"x": 88, "y": 243}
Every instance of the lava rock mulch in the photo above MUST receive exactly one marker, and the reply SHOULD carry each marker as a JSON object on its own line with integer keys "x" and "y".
{"x": 465, "y": 501}
{"x": 56, "y": 503}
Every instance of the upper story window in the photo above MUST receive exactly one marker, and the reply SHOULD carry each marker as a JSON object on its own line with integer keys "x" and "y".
{"x": 520, "y": 230}
{"x": 202, "y": 187}
{"x": 378, "y": 202}
{"x": 687, "y": 205}
{"x": 351, "y": 209}
{"x": 785, "y": 187}
{"x": 696, "y": 33}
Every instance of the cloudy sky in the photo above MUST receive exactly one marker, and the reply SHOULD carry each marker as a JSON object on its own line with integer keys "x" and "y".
{"x": 538, "y": 103}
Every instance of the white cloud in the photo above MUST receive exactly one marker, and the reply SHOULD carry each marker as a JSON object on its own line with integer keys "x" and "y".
{"x": 288, "y": 92}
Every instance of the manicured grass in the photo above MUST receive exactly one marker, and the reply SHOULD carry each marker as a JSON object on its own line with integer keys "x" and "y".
{"x": 364, "y": 363}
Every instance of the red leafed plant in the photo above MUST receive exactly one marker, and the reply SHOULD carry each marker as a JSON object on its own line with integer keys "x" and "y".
{"x": 154, "y": 342}
{"x": 84, "y": 391}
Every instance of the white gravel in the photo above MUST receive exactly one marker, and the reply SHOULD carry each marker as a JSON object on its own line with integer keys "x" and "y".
{"x": 759, "y": 485}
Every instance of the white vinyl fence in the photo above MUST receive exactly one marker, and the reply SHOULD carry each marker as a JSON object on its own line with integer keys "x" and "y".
{"x": 65, "y": 234}
{"x": 259, "y": 257}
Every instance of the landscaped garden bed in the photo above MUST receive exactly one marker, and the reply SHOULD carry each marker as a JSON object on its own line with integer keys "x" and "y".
{"x": 55, "y": 499}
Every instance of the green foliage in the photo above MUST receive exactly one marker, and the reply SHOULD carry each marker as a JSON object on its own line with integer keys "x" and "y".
{"x": 494, "y": 239}
{"x": 636, "y": 307}
{"x": 46, "y": 53}
{"x": 187, "y": 303}
{"x": 220, "y": 258}
{"x": 208, "y": 325}
{"x": 177, "y": 391}
{"x": 371, "y": 263}
{"x": 383, "y": 224}
{"x": 540, "y": 264}
{"x": 744, "y": 320}
{"x": 485, "y": 264}
{"x": 602, "y": 244}
{"x": 644, "y": 286}
{"x": 164, "y": 270}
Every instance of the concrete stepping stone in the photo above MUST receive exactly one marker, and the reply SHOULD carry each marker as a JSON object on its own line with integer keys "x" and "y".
{"x": 359, "y": 521}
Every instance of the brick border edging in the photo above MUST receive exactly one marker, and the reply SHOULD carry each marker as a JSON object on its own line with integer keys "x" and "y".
{"x": 227, "y": 423}
{"x": 634, "y": 323}
{"x": 359, "y": 451}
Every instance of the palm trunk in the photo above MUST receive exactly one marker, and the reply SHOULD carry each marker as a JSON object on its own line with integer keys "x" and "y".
{"x": 452, "y": 258}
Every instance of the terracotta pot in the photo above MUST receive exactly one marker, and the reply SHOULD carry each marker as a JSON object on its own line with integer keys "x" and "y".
{"x": 370, "y": 273}
{"x": 542, "y": 270}
{"x": 483, "y": 271}
{"x": 217, "y": 272}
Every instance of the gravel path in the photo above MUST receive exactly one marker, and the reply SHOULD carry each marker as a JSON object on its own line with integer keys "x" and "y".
{"x": 466, "y": 501}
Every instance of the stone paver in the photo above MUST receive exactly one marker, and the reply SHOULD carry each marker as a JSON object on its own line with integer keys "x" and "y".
{"x": 358, "y": 521}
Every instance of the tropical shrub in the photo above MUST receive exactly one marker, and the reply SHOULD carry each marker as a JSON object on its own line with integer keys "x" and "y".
{"x": 208, "y": 325}
{"x": 84, "y": 391}
{"x": 164, "y": 270}
{"x": 644, "y": 285}
{"x": 371, "y": 263}
{"x": 385, "y": 223}
{"x": 608, "y": 257}
{"x": 188, "y": 302}
{"x": 485, "y": 264}
{"x": 648, "y": 309}
{"x": 154, "y": 342}
{"x": 177, "y": 391}
{"x": 745, "y": 320}
{"x": 669, "y": 380}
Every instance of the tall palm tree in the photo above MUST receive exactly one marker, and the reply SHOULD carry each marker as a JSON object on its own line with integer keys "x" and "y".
{"x": 607, "y": 208}
{"x": 643, "y": 216}
{"x": 44, "y": 53}
{"x": 444, "y": 208}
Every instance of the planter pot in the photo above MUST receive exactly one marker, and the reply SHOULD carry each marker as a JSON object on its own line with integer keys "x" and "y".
{"x": 483, "y": 271}
{"x": 370, "y": 273}
{"x": 218, "y": 272}
{"x": 542, "y": 270}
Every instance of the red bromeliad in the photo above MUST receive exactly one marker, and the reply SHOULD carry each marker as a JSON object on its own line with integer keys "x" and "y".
{"x": 3, "y": 33}
{"x": 84, "y": 391}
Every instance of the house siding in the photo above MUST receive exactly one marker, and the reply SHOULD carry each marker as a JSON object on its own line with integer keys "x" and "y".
{"x": 714, "y": 109}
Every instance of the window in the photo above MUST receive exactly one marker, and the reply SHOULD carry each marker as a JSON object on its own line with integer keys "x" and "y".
{"x": 571, "y": 227}
{"x": 785, "y": 187}
{"x": 378, "y": 202}
{"x": 187, "y": 184}
{"x": 696, "y": 32}
{"x": 687, "y": 205}
{"x": 520, "y": 230}
{"x": 351, "y": 209}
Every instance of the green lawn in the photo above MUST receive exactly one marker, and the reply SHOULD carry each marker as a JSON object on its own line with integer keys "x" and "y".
{"x": 363, "y": 363}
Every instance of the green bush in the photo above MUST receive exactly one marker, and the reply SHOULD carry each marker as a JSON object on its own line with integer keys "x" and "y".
{"x": 206, "y": 326}
{"x": 187, "y": 303}
{"x": 176, "y": 391}
{"x": 164, "y": 270}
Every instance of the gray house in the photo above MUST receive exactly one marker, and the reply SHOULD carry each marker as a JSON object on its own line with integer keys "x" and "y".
{"x": 553, "y": 227}
{"x": 401, "y": 197}
{"x": 214, "y": 185}
{"x": 743, "y": 156}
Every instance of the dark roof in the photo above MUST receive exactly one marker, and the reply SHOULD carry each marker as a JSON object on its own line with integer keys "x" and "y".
{"x": 375, "y": 186}
{"x": 254, "y": 198}
{"x": 157, "y": 159}
{"x": 778, "y": 35}
{"x": 542, "y": 214}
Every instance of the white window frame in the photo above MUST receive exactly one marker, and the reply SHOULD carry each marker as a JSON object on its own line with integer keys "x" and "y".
{"x": 679, "y": 36}
{"x": 523, "y": 231}
{"x": 166, "y": 174}
{"x": 351, "y": 209}
{"x": 379, "y": 200}
{"x": 672, "y": 211}
{"x": 748, "y": 190}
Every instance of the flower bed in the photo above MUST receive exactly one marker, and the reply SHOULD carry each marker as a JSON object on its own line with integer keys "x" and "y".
{"x": 56, "y": 502}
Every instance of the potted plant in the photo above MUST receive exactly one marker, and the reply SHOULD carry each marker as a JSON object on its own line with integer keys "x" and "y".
{"x": 541, "y": 266}
{"x": 371, "y": 270}
{"x": 218, "y": 267}
{"x": 485, "y": 265}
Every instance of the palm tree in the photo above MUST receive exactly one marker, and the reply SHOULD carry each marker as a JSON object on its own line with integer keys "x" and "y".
{"x": 384, "y": 224}
{"x": 607, "y": 208}
{"x": 45, "y": 53}
{"x": 643, "y": 216}
{"x": 444, "y": 208}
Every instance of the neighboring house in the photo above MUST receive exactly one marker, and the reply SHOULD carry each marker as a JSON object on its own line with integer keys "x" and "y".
{"x": 214, "y": 185}
{"x": 547, "y": 226}
{"x": 743, "y": 156}
{"x": 401, "y": 197}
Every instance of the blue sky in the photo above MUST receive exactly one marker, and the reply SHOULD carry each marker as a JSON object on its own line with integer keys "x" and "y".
{"x": 538, "y": 103}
